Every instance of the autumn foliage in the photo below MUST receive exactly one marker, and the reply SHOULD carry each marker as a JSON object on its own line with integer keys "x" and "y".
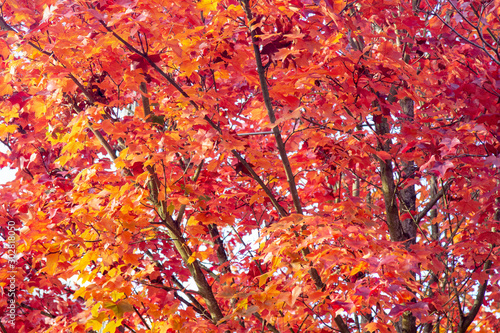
{"x": 252, "y": 166}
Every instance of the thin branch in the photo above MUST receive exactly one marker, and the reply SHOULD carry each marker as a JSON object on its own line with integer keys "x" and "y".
{"x": 151, "y": 62}
{"x": 255, "y": 133}
{"x": 466, "y": 321}
{"x": 103, "y": 142}
{"x": 270, "y": 326}
{"x": 182, "y": 209}
{"x": 432, "y": 202}
{"x": 465, "y": 39}
{"x": 129, "y": 328}
{"x": 142, "y": 318}
{"x": 201, "y": 311}
{"x": 82, "y": 88}
{"x": 45, "y": 313}
{"x": 302, "y": 324}
{"x": 166, "y": 288}
{"x": 193, "y": 300}
{"x": 266, "y": 189}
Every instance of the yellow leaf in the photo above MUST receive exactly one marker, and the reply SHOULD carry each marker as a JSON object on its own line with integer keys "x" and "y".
{"x": 192, "y": 221}
{"x": 112, "y": 326}
{"x": 263, "y": 279}
{"x": 11, "y": 113}
{"x": 64, "y": 159}
{"x": 243, "y": 304}
{"x": 72, "y": 147}
{"x": 82, "y": 263}
{"x": 192, "y": 258}
{"x": 7, "y": 129}
{"x": 161, "y": 326}
{"x": 119, "y": 164}
{"x": 207, "y": 5}
{"x": 361, "y": 267}
{"x": 94, "y": 325}
{"x": 111, "y": 306}
{"x": 39, "y": 107}
{"x": 95, "y": 310}
{"x": 80, "y": 293}
{"x": 170, "y": 209}
{"x": 335, "y": 39}
{"x": 51, "y": 266}
{"x": 5, "y": 89}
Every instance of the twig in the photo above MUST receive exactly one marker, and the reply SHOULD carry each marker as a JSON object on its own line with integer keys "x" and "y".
{"x": 254, "y": 133}
{"x": 142, "y": 318}
{"x": 433, "y": 201}
{"x": 266, "y": 189}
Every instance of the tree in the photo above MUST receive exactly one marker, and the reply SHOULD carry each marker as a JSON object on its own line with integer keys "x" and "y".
{"x": 283, "y": 166}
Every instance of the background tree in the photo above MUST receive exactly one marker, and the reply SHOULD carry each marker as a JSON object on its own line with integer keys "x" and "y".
{"x": 300, "y": 166}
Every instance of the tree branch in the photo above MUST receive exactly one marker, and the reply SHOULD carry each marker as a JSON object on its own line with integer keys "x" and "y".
{"x": 45, "y": 313}
{"x": 145, "y": 100}
{"x": 142, "y": 318}
{"x": 266, "y": 189}
{"x": 270, "y": 326}
{"x": 202, "y": 311}
{"x": 151, "y": 62}
{"x": 182, "y": 209}
{"x": 432, "y": 202}
{"x": 267, "y": 101}
{"x": 465, "y": 39}
{"x": 129, "y": 328}
{"x": 4, "y": 330}
{"x": 467, "y": 320}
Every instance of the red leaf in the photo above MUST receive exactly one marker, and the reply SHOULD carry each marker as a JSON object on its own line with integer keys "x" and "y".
{"x": 383, "y": 155}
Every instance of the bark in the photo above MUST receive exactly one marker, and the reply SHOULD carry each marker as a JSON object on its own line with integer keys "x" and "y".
{"x": 435, "y": 236}
{"x": 204, "y": 288}
{"x": 221, "y": 252}
{"x": 400, "y": 230}
{"x": 388, "y": 184}
{"x": 145, "y": 100}
{"x": 408, "y": 195}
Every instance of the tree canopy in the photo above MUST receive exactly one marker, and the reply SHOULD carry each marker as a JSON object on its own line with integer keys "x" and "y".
{"x": 252, "y": 166}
